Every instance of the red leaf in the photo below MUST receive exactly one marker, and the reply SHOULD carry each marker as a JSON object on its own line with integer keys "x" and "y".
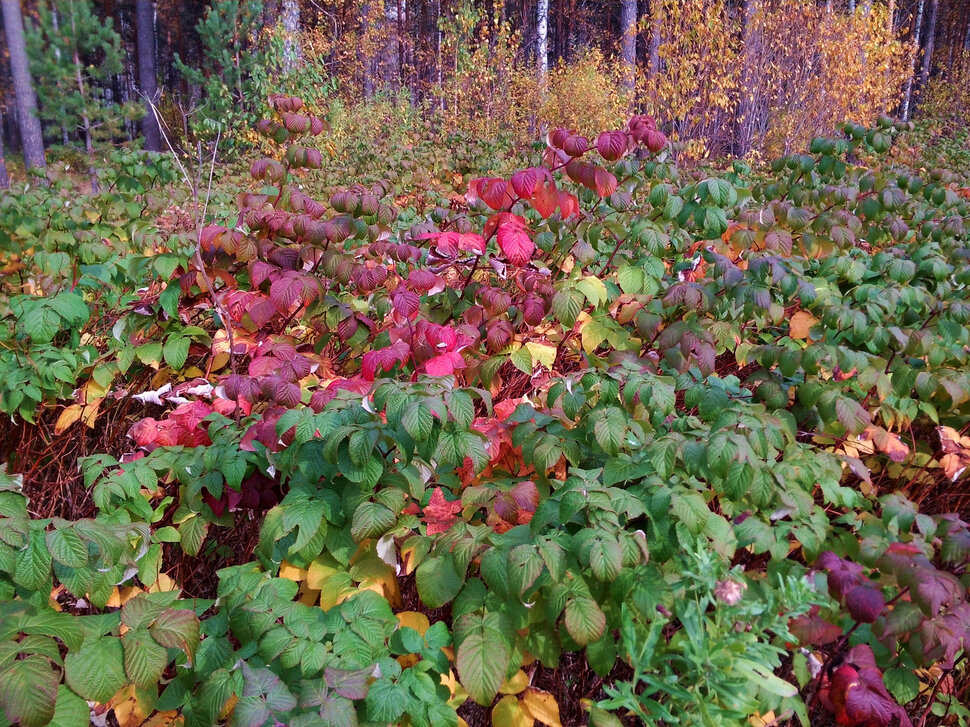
{"x": 496, "y": 193}
{"x": 440, "y": 514}
{"x": 813, "y": 629}
{"x": 858, "y": 695}
{"x": 843, "y": 574}
{"x": 545, "y": 198}
{"x": 524, "y": 181}
{"x": 575, "y": 145}
{"x": 612, "y": 145}
{"x": 655, "y": 140}
{"x": 285, "y": 291}
{"x": 533, "y": 309}
{"x": 471, "y": 242}
{"x": 604, "y": 183}
{"x": 406, "y": 303}
{"x": 568, "y": 204}
{"x": 384, "y": 359}
{"x": 864, "y": 603}
{"x": 423, "y": 280}
{"x": 932, "y": 588}
{"x": 514, "y": 241}
{"x": 445, "y": 364}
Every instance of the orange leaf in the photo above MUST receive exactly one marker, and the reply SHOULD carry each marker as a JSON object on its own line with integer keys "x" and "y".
{"x": 542, "y": 706}
{"x": 800, "y": 324}
{"x": 70, "y": 415}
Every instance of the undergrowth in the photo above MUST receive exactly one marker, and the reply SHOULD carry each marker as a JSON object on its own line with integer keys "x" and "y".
{"x": 396, "y": 455}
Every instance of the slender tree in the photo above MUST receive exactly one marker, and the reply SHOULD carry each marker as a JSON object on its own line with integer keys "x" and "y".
{"x": 655, "y": 38}
{"x": 924, "y": 74}
{"x": 4, "y": 179}
{"x": 917, "y": 30}
{"x": 628, "y": 43}
{"x": 30, "y": 132}
{"x": 542, "y": 39}
{"x": 290, "y": 20}
{"x": 147, "y": 75}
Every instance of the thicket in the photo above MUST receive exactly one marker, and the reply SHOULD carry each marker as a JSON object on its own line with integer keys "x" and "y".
{"x": 603, "y": 436}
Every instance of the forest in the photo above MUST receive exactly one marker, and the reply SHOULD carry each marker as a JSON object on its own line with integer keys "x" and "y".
{"x": 452, "y": 363}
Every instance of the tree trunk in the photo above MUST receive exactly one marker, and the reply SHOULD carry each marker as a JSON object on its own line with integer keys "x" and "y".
{"x": 927, "y": 66}
{"x": 363, "y": 57}
{"x": 4, "y": 179}
{"x": 542, "y": 40}
{"x": 655, "y": 38}
{"x": 628, "y": 44}
{"x": 917, "y": 31}
{"x": 290, "y": 18}
{"x": 147, "y": 76}
{"x": 31, "y": 135}
{"x": 85, "y": 121}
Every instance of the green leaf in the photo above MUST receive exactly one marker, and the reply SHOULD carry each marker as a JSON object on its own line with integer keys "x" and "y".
{"x": 32, "y": 565}
{"x": 71, "y": 710}
{"x": 386, "y": 701}
{"x": 371, "y": 520}
{"x": 594, "y": 290}
{"x": 691, "y": 510}
{"x": 482, "y": 658}
{"x": 438, "y": 582}
{"x": 605, "y": 557}
{"x": 609, "y": 428}
{"x": 145, "y": 659}
{"x": 28, "y": 690}
{"x": 851, "y": 415}
{"x": 67, "y": 547}
{"x": 521, "y": 358}
{"x": 566, "y": 306}
{"x": 902, "y": 683}
{"x": 97, "y": 670}
{"x": 192, "y": 533}
{"x": 418, "y": 421}
{"x": 462, "y": 408}
{"x": 177, "y": 629}
{"x": 584, "y": 620}
{"x": 176, "y": 351}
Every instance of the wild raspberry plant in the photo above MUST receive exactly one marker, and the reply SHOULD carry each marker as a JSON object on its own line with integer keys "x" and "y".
{"x": 523, "y": 408}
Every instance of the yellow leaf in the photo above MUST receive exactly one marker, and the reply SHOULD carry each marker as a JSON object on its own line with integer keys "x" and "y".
{"x": 542, "y": 706}
{"x": 762, "y": 720}
{"x": 131, "y": 708}
{"x": 510, "y": 713}
{"x": 292, "y": 573}
{"x": 163, "y": 583}
{"x": 800, "y": 324}
{"x": 70, "y": 415}
{"x": 320, "y": 570}
{"x": 518, "y": 682}
{"x": 543, "y": 353}
{"x": 414, "y": 620}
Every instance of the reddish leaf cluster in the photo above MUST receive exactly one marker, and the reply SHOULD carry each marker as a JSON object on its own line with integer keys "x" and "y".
{"x": 855, "y": 692}
{"x": 862, "y": 597}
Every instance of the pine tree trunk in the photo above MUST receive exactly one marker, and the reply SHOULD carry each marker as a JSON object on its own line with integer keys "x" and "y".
{"x": 654, "y": 38}
{"x": 147, "y": 77}
{"x": 927, "y": 66}
{"x": 542, "y": 40}
{"x": 917, "y": 32}
{"x": 290, "y": 17}
{"x": 363, "y": 58}
{"x": 31, "y": 135}
{"x": 628, "y": 44}
{"x": 4, "y": 178}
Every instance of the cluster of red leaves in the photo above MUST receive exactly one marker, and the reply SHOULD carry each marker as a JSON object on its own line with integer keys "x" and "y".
{"x": 181, "y": 426}
{"x": 855, "y": 692}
